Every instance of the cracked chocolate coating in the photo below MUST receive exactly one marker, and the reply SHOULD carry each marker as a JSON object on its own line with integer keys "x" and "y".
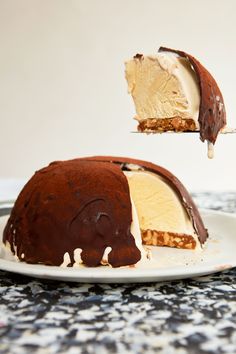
{"x": 73, "y": 204}
{"x": 212, "y": 115}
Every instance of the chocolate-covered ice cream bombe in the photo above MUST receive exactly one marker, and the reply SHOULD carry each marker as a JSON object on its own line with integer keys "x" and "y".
{"x": 90, "y": 211}
{"x": 172, "y": 91}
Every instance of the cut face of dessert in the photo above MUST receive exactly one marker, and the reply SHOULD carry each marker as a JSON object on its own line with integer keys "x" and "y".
{"x": 165, "y": 91}
{"x": 172, "y": 91}
{"x": 166, "y": 213}
{"x": 163, "y": 220}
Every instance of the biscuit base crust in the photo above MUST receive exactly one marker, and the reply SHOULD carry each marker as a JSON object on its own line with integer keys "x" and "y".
{"x": 176, "y": 124}
{"x": 169, "y": 239}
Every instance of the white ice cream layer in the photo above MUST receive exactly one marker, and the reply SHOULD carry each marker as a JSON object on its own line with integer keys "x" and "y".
{"x": 163, "y": 86}
{"x": 158, "y": 205}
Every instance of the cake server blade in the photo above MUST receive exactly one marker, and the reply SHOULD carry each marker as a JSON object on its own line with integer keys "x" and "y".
{"x": 223, "y": 131}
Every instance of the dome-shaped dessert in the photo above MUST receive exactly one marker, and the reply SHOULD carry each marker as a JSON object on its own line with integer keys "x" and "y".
{"x": 95, "y": 210}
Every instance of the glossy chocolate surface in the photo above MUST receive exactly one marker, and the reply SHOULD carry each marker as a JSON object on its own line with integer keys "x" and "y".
{"x": 74, "y": 204}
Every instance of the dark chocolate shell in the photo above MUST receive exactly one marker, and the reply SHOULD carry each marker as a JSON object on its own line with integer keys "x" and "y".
{"x": 212, "y": 115}
{"x": 69, "y": 205}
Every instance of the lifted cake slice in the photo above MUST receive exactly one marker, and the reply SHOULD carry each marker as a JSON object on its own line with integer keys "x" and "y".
{"x": 165, "y": 92}
{"x": 173, "y": 91}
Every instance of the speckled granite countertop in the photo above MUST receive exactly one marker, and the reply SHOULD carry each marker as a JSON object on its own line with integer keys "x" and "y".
{"x": 189, "y": 316}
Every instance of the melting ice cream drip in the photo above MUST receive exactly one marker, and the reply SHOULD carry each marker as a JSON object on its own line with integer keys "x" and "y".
{"x": 135, "y": 231}
{"x": 210, "y": 150}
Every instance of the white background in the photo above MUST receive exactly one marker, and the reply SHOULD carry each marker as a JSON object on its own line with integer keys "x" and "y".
{"x": 63, "y": 92}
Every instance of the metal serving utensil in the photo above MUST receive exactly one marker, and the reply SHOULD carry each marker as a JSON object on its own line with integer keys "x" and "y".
{"x": 223, "y": 131}
{"x": 210, "y": 146}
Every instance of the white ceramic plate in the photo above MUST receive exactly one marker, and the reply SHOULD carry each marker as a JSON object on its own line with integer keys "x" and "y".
{"x": 217, "y": 255}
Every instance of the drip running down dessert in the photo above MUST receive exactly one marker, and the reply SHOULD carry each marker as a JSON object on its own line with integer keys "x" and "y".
{"x": 101, "y": 211}
{"x": 172, "y": 91}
